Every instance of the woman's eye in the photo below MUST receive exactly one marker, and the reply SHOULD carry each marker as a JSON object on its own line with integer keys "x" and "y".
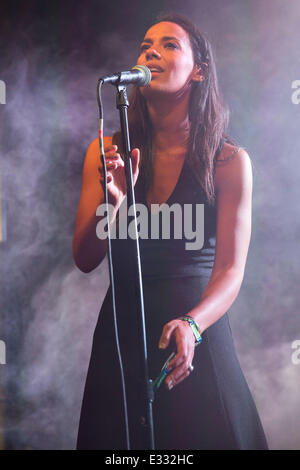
{"x": 171, "y": 45}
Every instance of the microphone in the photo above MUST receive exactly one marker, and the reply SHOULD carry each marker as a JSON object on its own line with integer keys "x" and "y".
{"x": 139, "y": 75}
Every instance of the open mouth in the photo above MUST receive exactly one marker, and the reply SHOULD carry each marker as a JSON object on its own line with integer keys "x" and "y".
{"x": 155, "y": 69}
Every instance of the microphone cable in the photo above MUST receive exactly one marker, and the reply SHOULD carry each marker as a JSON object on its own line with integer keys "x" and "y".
{"x": 110, "y": 263}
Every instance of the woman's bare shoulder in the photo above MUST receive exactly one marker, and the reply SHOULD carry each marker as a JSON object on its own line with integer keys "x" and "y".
{"x": 93, "y": 149}
{"x": 227, "y": 153}
{"x": 233, "y": 166}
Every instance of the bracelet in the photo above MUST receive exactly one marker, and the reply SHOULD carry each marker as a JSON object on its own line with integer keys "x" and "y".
{"x": 195, "y": 327}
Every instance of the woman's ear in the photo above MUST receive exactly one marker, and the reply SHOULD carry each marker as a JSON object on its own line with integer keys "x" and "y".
{"x": 197, "y": 75}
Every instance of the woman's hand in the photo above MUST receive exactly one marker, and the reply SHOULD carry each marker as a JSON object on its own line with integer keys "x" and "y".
{"x": 116, "y": 179}
{"x": 185, "y": 343}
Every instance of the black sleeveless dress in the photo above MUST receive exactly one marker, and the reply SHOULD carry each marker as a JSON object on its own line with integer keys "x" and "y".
{"x": 213, "y": 407}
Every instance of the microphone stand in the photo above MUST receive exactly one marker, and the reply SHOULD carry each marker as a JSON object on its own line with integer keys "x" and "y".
{"x": 147, "y": 394}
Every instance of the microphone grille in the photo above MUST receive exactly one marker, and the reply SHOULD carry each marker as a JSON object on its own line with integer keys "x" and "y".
{"x": 146, "y": 74}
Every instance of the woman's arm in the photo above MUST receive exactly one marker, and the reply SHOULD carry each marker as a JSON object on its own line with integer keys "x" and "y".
{"x": 233, "y": 182}
{"x": 234, "y": 206}
{"x": 88, "y": 249}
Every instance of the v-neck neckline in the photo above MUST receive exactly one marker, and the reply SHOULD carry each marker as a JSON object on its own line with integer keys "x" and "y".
{"x": 174, "y": 189}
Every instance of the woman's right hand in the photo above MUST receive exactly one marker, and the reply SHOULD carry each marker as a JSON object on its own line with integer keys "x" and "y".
{"x": 116, "y": 179}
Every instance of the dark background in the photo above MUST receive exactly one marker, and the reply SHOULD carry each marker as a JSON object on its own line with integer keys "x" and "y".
{"x": 52, "y": 53}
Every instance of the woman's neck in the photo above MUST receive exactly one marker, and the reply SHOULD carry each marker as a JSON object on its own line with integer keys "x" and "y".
{"x": 170, "y": 123}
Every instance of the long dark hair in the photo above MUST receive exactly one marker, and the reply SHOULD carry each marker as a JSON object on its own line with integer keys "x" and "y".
{"x": 207, "y": 113}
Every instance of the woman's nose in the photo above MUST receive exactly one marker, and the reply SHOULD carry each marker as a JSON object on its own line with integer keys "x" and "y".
{"x": 152, "y": 52}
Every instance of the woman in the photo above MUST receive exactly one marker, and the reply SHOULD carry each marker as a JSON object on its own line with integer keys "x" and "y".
{"x": 178, "y": 123}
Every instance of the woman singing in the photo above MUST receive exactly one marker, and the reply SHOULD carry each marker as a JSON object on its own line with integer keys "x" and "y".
{"x": 181, "y": 156}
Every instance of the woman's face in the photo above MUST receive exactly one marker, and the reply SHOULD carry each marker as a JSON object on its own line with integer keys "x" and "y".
{"x": 167, "y": 52}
